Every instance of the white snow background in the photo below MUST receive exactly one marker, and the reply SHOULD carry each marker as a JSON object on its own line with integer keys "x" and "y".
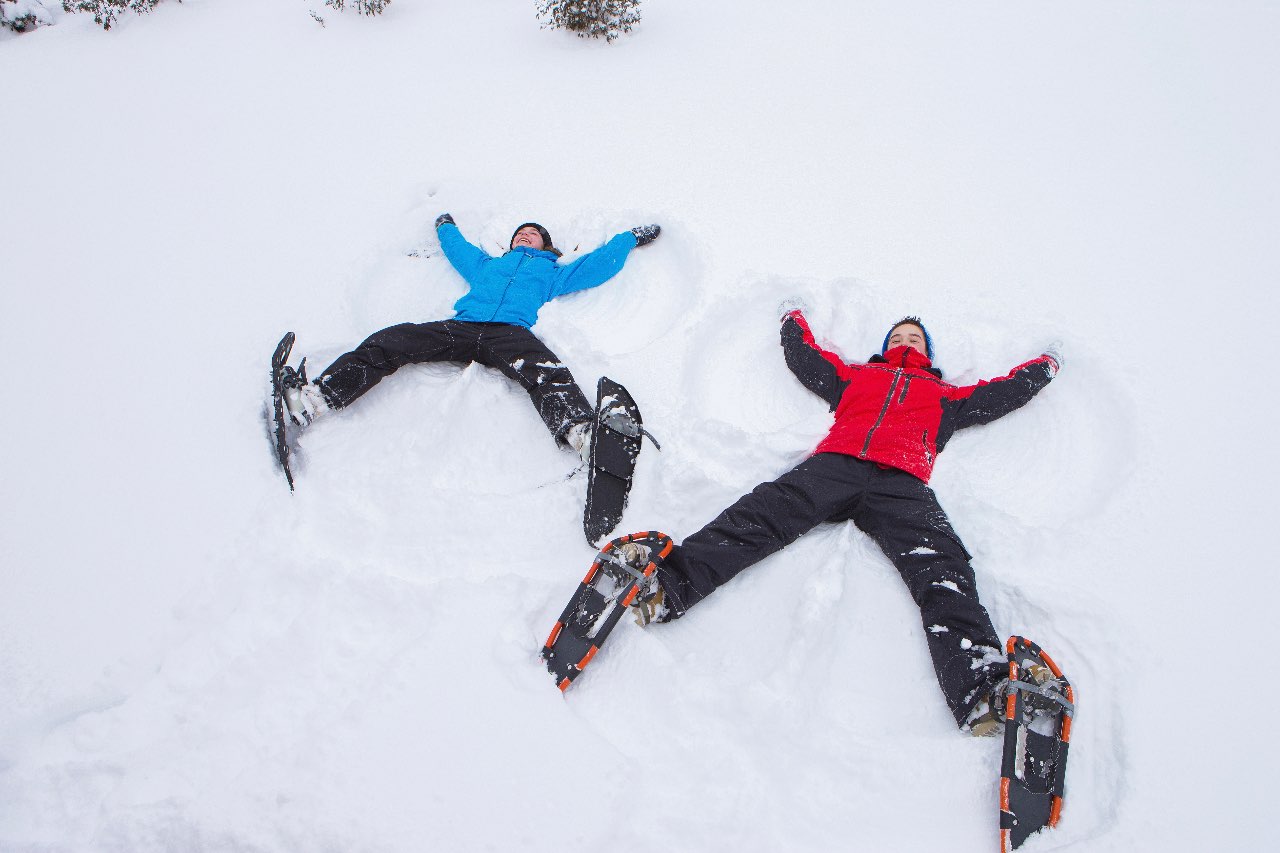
{"x": 191, "y": 659}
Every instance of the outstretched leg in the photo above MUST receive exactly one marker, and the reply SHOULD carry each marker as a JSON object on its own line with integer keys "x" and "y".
{"x": 760, "y": 523}
{"x": 518, "y": 354}
{"x": 385, "y": 352}
{"x": 902, "y": 515}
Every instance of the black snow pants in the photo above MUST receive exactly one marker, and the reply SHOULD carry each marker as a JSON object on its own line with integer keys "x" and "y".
{"x": 512, "y": 350}
{"x": 900, "y": 513}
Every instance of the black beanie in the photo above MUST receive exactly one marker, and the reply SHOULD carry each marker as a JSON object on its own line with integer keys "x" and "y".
{"x": 546, "y": 238}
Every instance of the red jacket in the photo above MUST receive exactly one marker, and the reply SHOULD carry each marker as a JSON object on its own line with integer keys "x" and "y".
{"x": 895, "y": 409}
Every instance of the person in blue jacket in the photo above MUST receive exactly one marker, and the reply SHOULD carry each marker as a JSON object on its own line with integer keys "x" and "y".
{"x": 492, "y": 326}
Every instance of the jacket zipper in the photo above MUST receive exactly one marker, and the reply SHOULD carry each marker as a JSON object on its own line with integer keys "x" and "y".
{"x": 510, "y": 279}
{"x": 897, "y": 374}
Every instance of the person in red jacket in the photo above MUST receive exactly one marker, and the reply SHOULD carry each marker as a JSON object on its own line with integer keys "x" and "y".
{"x": 893, "y": 416}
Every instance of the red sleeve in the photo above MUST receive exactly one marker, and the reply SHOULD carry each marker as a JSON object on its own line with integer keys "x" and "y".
{"x": 995, "y": 398}
{"x": 820, "y": 371}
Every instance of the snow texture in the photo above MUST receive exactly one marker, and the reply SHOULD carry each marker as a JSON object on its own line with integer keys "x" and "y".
{"x": 193, "y": 659}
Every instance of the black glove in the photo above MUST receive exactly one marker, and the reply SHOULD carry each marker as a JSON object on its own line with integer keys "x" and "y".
{"x": 443, "y": 218}
{"x": 646, "y": 234}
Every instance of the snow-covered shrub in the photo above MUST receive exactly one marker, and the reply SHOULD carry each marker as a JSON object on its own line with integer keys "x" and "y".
{"x": 24, "y": 15}
{"x": 105, "y": 11}
{"x": 591, "y": 18}
{"x": 367, "y": 7}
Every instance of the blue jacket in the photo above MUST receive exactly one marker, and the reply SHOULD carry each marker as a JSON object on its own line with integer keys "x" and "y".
{"x": 512, "y": 287}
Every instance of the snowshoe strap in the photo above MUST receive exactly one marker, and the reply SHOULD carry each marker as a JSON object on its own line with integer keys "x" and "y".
{"x": 625, "y": 567}
{"x": 620, "y": 423}
{"x": 646, "y": 585}
{"x": 1027, "y": 687}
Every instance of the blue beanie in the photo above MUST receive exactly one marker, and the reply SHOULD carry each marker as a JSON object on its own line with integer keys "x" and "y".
{"x": 915, "y": 321}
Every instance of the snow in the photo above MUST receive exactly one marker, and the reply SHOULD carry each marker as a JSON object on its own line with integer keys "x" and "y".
{"x": 195, "y": 660}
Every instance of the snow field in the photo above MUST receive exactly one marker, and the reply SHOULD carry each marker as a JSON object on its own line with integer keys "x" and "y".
{"x": 195, "y": 660}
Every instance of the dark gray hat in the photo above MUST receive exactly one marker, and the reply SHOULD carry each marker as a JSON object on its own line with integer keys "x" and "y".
{"x": 546, "y": 238}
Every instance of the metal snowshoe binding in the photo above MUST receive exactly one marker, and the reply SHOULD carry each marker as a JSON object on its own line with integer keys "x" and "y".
{"x": 627, "y": 562}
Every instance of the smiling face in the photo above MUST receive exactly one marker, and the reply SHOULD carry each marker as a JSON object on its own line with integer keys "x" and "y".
{"x": 528, "y": 236}
{"x": 908, "y": 334}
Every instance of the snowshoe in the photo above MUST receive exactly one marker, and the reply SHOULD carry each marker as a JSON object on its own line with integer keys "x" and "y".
{"x": 612, "y": 584}
{"x": 277, "y": 412}
{"x": 1039, "y": 709}
{"x": 615, "y": 439}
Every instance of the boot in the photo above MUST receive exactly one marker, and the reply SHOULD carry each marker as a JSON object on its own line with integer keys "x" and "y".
{"x": 649, "y": 605}
{"x": 303, "y": 399}
{"x": 579, "y": 438}
{"x": 650, "y": 609}
{"x": 987, "y": 717}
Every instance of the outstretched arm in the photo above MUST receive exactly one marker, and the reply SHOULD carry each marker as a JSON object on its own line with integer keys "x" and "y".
{"x": 989, "y": 400}
{"x": 597, "y": 267}
{"x": 466, "y": 258}
{"x": 818, "y": 370}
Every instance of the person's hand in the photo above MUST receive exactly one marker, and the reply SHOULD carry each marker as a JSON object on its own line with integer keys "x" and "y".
{"x": 443, "y": 218}
{"x": 791, "y": 306}
{"x": 1054, "y": 351}
{"x": 646, "y": 234}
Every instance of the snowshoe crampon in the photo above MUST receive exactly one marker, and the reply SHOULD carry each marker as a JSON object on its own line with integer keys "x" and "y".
{"x": 611, "y": 585}
{"x": 1039, "y": 708}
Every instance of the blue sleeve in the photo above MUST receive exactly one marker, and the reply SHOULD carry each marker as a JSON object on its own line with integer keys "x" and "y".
{"x": 467, "y": 259}
{"x": 594, "y": 269}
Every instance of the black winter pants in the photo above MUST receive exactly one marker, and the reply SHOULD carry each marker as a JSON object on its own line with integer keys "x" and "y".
{"x": 512, "y": 350}
{"x": 900, "y": 513}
